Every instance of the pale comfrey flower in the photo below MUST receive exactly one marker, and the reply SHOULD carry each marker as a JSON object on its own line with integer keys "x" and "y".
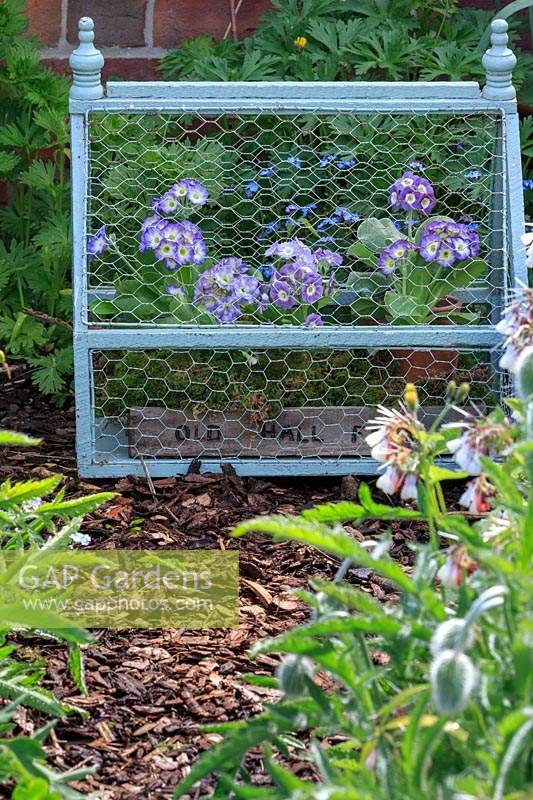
{"x": 393, "y": 440}
{"x": 479, "y": 438}
{"x": 527, "y": 239}
{"x": 457, "y": 564}
{"x": 501, "y": 524}
{"x": 477, "y": 495}
{"x": 517, "y": 327}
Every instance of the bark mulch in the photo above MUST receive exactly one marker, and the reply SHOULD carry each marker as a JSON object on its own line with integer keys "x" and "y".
{"x": 150, "y": 691}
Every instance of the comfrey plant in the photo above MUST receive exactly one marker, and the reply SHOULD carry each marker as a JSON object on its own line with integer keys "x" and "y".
{"x": 419, "y": 270}
{"x": 428, "y": 695}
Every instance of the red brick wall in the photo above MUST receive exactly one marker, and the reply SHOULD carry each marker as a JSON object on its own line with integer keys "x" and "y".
{"x": 135, "y": 34}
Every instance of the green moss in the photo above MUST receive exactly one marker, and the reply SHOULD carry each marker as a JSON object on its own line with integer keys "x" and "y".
{"x": 214, "y": 380}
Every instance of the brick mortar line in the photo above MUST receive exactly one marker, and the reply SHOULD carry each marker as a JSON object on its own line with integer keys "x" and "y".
{"x": 149, "y": 23}
{"x": 63, "y": 29}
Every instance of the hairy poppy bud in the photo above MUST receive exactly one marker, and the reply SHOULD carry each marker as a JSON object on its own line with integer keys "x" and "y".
{"x": 449, "y": 636}
{"x": 291, "y": 674}
{"x": 453, "y": 677}
{"x": 524, "y": 374}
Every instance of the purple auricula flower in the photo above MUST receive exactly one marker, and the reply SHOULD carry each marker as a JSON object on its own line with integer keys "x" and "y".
{"x": 236, "y": 264}
{"x": 190, "y": 233}
{"x": 313, "y": 321}
{"x": 166, "y": 250}
{"x": 328, "y": 257}
{"x": 166, "y": 204}
{"x": 400, "y": 248}
{"x": 225, "y": 288}
{"x": 245, "y": 289}
{"x": 172, "y": 231}
{"x": 228, "y": 310}
{"x": 446, "y": 255}
{"x": 386, "y": 262}
{"x": 281, "y": 294}
{"x": 99, "y": 243}
{"x": 289, "y": 272}
{"x": 175, "y": 291}
{"x": 445, "y": 242}
{"x": 150, "y": 239}
{"x": 263, "y": 300}
{"x": 461, "y": 247}
{"x": 312, "y": 289}
{"x": 412, "y": 193}
{"x": 184, "y": 254}
{"x": 191, "y": 190}
{"x": 199, "y": 252}
{"x": 179, "y": 190}
{"x": 150, "y": 222}
{"x": 429, "y": 246}
{"x": 292, "y": 248}
{"x": 197, "y": 194}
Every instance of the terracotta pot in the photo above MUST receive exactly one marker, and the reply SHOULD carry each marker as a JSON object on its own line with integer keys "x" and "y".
{"x": 422, "y": 365}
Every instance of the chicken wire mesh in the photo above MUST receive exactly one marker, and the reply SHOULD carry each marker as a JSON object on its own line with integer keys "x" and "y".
{"x": 227, "y": 405}
{"x": 272, "y": 219}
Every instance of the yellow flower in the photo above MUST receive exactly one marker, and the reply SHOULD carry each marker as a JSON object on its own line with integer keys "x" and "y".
{"x": 300, "y": 42}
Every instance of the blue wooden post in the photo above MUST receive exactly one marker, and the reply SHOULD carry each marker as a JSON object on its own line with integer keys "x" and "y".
{"x": 86, "y": 63}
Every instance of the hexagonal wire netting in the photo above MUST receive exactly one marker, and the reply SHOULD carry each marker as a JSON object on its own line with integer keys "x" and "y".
{"x": 270, "y": 178}
{"x": 265, "y": 179}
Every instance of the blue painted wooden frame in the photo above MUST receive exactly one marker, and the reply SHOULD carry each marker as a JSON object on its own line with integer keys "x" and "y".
{"x": 97, "y": 451}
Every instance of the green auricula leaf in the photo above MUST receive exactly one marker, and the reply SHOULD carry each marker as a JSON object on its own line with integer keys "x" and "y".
{"x": 375, "y": 234}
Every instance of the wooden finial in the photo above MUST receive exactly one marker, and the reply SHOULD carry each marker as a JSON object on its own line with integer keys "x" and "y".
{"x": 499, "y": 63}
{"x": 86, "y": 63}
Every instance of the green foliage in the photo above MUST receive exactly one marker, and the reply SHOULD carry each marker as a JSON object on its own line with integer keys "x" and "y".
{"x": 357, "y": 39}
{"x": 370, "y": 40}
{"x": 25, "y": 520}
{"x": 426, "y": 696}
{"x": 35, "y": 223}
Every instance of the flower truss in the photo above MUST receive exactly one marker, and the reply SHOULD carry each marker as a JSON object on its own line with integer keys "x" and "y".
{"x": 226, "y": 288}
{"x": 447, "y": 252}
{"x": 98, "y": 244}
{"x": 407, "y": 450}
{"x": 393, "y": 440}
